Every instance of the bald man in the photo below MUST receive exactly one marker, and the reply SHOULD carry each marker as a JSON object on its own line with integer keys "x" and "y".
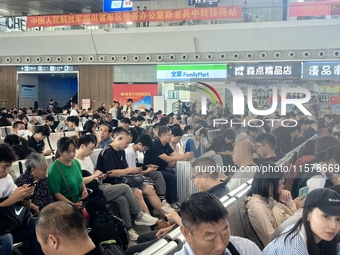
{"x": 243, "y": 159}
{"x": 60, "y": 229}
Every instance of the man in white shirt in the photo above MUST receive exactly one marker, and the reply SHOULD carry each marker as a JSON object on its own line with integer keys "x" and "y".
{"x": 119, "y": 193}
{"x": 74, "y": 111}
{"x": 10, "y": 194}
{"x": 142, "y": 144}
{"x": 205, "y": 227}
{"x": 127, "y": 108}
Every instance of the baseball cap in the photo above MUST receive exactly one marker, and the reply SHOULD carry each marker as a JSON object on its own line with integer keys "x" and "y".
{"x": 326, "y": 200}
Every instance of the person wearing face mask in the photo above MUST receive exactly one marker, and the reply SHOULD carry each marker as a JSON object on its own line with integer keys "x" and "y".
{"x": 19, "y": 130}
{"x": 316, "y": 232}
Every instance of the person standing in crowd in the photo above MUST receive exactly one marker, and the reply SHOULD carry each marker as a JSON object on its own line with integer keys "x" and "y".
{"x": 284, "y": 142}
{"x": 61, "y": 230}
{"x": 105, "y": 135}
{"x": 161, "y": 154}
{"x": 36, "y": 171}
{"x": 317, "y": 232}
{"x": 37, "y": 140}
{"x": 138, "y": 12}
{"x": 145, "y": 24}
{"x": 74, "y": 111}
{"x": 114, "y": 109}
{"x": 127, "y": 109}
{"x": 10, "y": 194}
{"x": 205, "y": 227}
{"x": 64, "y": 175}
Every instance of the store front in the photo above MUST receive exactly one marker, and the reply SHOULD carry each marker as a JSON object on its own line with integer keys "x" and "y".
{"x": 261, "y": 78}
{"x": 191, "y": 84}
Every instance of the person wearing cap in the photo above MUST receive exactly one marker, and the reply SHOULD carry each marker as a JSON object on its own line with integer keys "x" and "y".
{"x": 205, "y": 227}
{"x": 316, "y": 232}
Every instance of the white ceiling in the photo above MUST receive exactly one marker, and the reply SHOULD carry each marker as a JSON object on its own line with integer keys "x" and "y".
{"x": 41, "y": 7}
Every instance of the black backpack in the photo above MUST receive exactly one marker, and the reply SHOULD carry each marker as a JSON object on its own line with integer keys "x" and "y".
{"x": 119, "y": 114}
{"x": 105, "y": 226}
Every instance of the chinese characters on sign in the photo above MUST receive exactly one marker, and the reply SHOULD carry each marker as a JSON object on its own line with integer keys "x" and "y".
{"x": 265, "y": 70}
{"x": 321, "y": 70}
{"x": 231, "y": 12}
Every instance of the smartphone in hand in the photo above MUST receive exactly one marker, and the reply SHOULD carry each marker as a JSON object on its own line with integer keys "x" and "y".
{"x": 33, "y": 184}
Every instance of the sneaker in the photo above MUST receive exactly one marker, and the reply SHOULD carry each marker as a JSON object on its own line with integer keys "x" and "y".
{"x": 175, "y": 207}
{"x": 146, "y": 220}
{"x": 166, "y": 204}
{"x": 133, "y": 234}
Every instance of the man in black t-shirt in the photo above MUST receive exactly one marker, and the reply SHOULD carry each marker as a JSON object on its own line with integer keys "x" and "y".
{"x": 112, "y": 162}
{"x": 265, "y": 148}
{"x": 37, "y": 140}
{"x": 161, "y": 154}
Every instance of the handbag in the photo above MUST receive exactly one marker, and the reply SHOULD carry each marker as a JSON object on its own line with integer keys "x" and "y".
{"x": 14, "y": 218}
{"x": 133, "y": 180}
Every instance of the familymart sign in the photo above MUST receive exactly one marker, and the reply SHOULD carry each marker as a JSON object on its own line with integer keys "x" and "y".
{"x": 191, "y": 72}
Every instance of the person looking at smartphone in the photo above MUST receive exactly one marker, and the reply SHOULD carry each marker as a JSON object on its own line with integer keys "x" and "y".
{"x": 112, "y": 161}
{"x": 10, "y": 194}
{"x": 35, "y": 175}
{"x": 142, "y": 144}
{"x": 65, "y": 179}
{"x": 270, "y": 204}
{"x": 119, "y": 193}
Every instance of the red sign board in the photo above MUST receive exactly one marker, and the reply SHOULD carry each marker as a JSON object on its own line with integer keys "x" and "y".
{"x": 231, "y": 12}
{"x": 303, "y": 9}
{"x": 142, "y": 94}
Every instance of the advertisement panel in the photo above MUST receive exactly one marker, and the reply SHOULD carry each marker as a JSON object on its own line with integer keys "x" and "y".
{"x": 142, "y": 94}
{"x": 225, "y": 12}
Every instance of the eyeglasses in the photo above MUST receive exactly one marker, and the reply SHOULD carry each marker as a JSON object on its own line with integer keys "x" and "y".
{"x": 195, "y": 176}
{"x": 259, "y": 146}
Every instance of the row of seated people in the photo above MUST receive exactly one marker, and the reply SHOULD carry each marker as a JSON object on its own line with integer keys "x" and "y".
{"x": 279, "y": 180}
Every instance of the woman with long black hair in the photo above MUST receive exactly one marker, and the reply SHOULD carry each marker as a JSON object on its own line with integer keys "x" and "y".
{"x": 317, "y": 232}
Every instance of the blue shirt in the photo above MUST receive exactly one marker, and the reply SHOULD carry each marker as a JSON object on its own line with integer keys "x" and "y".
{"x": 242, "y": 245}
{"x": 104, "y": 143}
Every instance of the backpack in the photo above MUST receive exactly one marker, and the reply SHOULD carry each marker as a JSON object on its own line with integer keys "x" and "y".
{"x": 119, "y": 114}
{"x": 110, "y": 249}
{"x": 105, "y": 226}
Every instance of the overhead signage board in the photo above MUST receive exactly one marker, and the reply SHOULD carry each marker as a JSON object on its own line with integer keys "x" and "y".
{"x": 13, "y": 24}
{"x": 191, "y": 72}
{"x": 265, "y": 70}
{"x": 321, "y": 70}
{"x": 51, "y": 68}
{"x": 117, "y": 5}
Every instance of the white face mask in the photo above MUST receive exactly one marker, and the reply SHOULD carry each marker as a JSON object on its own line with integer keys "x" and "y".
{"x": 21, "y": 133}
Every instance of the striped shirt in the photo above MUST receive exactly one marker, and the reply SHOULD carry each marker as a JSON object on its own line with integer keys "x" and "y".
{"x": 295, "y": 244}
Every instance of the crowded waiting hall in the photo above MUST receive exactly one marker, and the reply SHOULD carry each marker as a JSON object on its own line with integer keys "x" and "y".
{"x": 169, "y": 127}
